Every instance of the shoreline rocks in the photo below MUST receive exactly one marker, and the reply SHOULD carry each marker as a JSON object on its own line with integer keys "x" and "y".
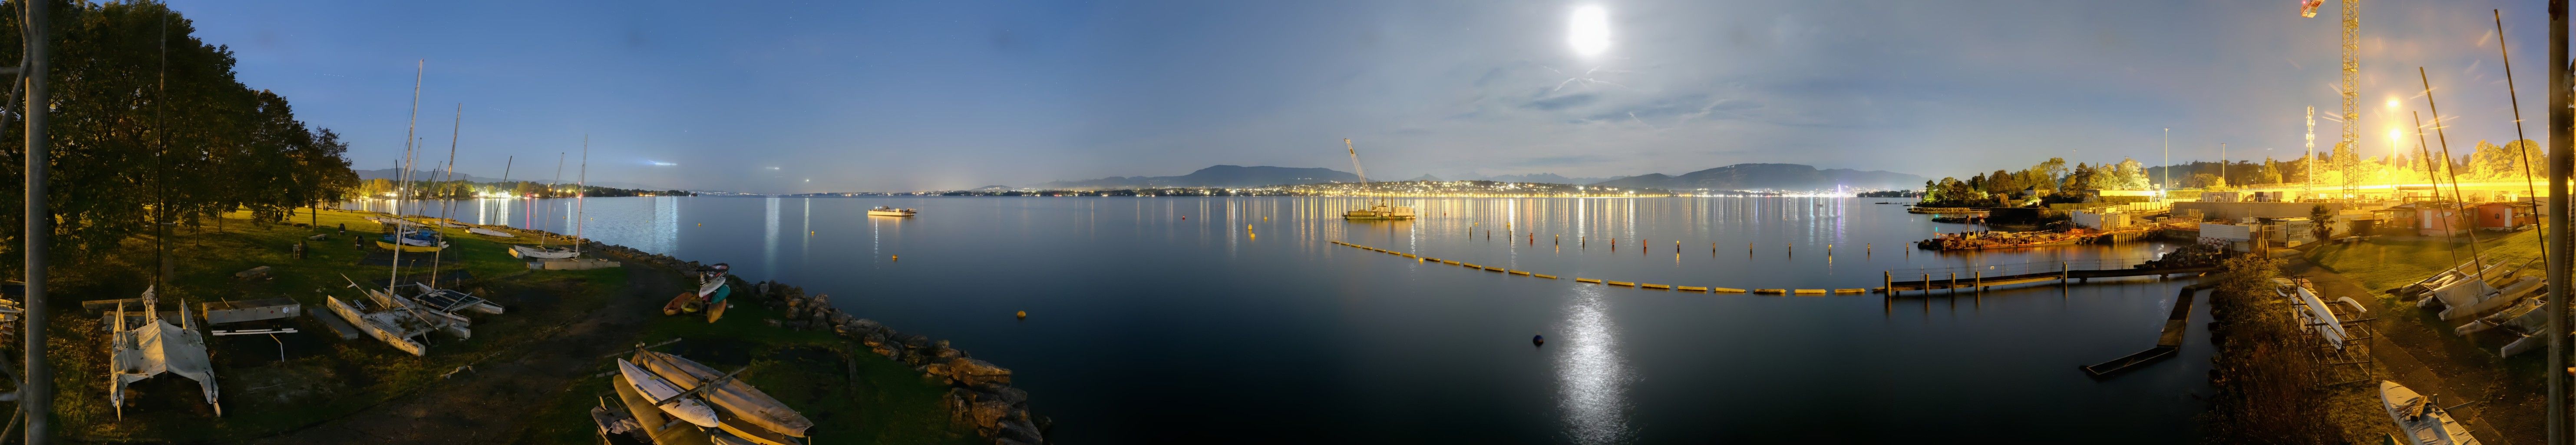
{"x": 979, "y": 394}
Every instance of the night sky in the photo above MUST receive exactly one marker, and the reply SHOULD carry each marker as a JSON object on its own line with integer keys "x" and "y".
{"x": 894, "y": 96}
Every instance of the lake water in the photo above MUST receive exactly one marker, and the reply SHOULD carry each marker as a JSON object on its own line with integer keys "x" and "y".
{"x": 1235, "y": 320}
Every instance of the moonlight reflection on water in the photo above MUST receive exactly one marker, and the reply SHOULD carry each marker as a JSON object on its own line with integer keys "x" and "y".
{"x": 1592, "y": 381}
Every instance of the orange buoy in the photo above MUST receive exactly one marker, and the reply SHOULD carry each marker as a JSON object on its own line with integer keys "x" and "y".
{"x": 1024, "y": 314}
{"x": 898, "y": 257}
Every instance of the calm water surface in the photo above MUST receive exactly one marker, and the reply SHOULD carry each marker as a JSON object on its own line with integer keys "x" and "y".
{"x": 1234, "y": 320}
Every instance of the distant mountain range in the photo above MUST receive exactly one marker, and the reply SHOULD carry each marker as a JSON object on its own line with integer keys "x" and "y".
{"x": 1214, "y": 176}
{"x": 1758, "y": 177}
{"x": 1749, "y": 177}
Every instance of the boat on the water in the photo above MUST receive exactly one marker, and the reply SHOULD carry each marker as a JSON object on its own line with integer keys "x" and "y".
{"x": 2425, "y": 422}
{"x": 1379, "y": 211}
{"x": 656, "y": 390}
{"x": 750, "y": 413}
{"x": 890, "y": 211}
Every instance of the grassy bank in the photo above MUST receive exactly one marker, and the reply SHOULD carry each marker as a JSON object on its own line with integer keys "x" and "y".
{"x": 2415, "y": 347}
{"x": 2385, "y": 263}
{"x": 322, "y": 381}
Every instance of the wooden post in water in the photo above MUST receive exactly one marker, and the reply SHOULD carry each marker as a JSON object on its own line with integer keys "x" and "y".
{"x": 1887, "y": 283}
{"x": 1954, "y": 283}
{"x": 1927, "y": 284}
{"x": 1981, "y": 286}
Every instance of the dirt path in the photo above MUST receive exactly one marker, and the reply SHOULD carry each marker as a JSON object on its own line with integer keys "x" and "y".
{"x": 492, "y": 401}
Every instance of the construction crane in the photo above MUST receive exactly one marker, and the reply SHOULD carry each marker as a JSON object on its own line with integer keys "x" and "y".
{"x": 2351, "y": 71}
{"x": 1376, "y": 210}
{"x": 1355, "y": 163}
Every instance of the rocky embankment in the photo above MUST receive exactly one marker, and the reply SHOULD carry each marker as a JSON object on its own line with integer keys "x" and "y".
{"x": 979, "y": 395}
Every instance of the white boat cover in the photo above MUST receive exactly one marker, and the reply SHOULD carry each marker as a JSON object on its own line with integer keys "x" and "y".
{"x": 2424, "y": 423}
{"x": 491, "y": 233}
{"x": 154, "y": 348}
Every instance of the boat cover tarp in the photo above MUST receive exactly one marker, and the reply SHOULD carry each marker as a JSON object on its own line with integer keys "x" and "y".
{"x": 158, "y": 347}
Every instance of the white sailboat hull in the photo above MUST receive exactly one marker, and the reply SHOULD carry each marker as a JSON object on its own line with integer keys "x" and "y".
{"x": 543, "y": 253}
{"x": 655, "y": 389}
{"x": 374, "y": 328}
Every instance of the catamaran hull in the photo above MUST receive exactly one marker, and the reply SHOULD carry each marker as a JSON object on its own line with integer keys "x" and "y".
{"x": 351, "y": 314}
{"x": 539, "y": 253}
{"x": 655, "y": 389}
{"x": 410, "y": 248}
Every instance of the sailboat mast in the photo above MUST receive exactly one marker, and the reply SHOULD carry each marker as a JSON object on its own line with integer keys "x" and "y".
{"x": 394, "y": 273}
{"x": 581, "y": 212}
{"x": 447, "y": 205}
{"x": 505, "y": 182}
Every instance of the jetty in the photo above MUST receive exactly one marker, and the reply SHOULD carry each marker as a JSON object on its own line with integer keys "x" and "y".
{"x": 2167, "y": 342}
{"x": 1980, "y": 277}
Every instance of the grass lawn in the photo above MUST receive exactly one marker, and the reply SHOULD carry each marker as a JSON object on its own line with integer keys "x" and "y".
{"x": 853, "y": 396}
{"x": 2381, "y": 263}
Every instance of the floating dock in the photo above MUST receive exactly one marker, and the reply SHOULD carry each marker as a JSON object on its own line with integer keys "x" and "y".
{"x": 2167, "y": 342}
{"x": 1980, "y": 277}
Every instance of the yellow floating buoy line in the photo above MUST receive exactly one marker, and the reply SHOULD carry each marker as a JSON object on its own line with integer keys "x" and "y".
{"x": 1677, "y": 246}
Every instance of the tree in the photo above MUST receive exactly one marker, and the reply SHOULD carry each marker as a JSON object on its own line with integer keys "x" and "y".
{"x": 139, "y": 138}
{"x": 2318, "y": 217}
{"x": 2131, "y": 175}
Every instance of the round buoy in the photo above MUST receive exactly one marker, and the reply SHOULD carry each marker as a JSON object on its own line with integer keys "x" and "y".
{"x": 1537, "y": 340}
{"x": 1024, "y": 314}
{"x": 898, "y": 257}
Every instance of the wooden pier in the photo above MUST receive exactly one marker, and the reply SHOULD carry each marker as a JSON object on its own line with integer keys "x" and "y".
{"x": 1894, "y": 282}
{"x": 2167, "y": 342}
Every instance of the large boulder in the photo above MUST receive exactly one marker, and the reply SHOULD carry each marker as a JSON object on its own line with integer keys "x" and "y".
{"x": 869, "y": 326}
{"x": 971, "y": 371}
{"x": 1018, "y": 430}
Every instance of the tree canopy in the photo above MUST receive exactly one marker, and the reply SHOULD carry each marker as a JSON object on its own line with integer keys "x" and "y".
{"x": 139, "y": 135}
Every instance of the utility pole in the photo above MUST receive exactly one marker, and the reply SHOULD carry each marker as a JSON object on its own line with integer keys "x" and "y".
{"x": 2311, "y": 189}
{"x": 2165, "y": 177}
{"x": 2562, "y": 162}
{"x": 2222, "y": 163}
{"x": 36, "y": 399}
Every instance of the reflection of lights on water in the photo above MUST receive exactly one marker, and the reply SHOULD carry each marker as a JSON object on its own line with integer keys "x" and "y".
{"x": 1592, "y": 380}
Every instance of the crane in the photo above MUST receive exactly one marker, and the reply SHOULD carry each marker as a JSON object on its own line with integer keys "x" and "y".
{"x": 1355, "y": 163}
{"x": 2351, "y": 87}
{"x": 1377, "y": 210}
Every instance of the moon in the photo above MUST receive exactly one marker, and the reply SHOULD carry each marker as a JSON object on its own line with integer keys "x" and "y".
{"x": 1589, "y": 31}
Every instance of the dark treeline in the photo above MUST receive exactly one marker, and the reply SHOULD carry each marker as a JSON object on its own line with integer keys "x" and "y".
{"x": 138, "y": 137}
{"x": 385, "y": 188}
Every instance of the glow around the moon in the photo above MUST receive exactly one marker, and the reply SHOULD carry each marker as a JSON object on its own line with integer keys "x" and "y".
{"x": 1589, "y": 31}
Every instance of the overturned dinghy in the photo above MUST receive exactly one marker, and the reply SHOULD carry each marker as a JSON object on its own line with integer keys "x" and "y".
{"x": 490, "y": 233}
{"x": 154, "y": 348}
